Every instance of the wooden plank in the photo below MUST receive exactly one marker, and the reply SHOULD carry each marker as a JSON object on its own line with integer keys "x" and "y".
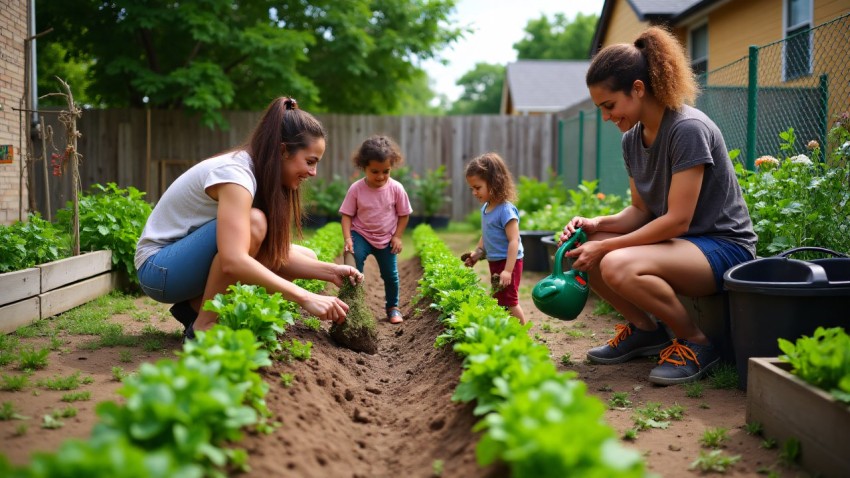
{"x": 787, "y": 408}
{"x": 68, "y": 297}
{"x": 18, "y": 285}
{"x": 19, "y": 314}
{"x": 66, "y": 271}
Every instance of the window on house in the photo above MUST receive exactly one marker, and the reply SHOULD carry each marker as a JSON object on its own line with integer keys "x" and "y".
{"x": 798, "y": 39}
{"x": 699, "y": 49}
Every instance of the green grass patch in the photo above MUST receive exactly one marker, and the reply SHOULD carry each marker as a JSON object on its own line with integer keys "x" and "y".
{"x": 13, "y": 383}
{"x": 57, "y": 382}
{"x": 77, "y": 396}
{"x": 91, "y": 318}
{"x": 724, "y": 376}
{"x": 32, "y": 359}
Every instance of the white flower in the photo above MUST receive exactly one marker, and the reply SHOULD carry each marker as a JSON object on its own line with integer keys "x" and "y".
{"x": 801, "y": 159}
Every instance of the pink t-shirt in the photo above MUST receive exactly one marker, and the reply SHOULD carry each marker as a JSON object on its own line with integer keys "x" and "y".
{"x": 375, "y": 212}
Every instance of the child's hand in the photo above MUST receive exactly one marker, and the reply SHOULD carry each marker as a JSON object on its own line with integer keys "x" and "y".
{"x": 395, "y": 245}
{"x": 467, "y": 259}
{"x": 349, "y": 245}
{"x": 505, "y": 278}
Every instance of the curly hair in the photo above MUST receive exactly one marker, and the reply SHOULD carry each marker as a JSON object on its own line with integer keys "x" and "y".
{"x": 377, "y": 148}
{"x": 491, "y": 168}
{"x": 656, "y": 58}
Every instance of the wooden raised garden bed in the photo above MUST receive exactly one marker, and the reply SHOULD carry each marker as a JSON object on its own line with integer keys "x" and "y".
{"x": 787, "y": 407}
{"x": 52, "y": 288}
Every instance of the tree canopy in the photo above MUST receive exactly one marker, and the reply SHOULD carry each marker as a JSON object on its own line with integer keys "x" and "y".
{"x": 482, "y": 90}
{"x": 558, "y": 39}
{"x": 356, "y": 56}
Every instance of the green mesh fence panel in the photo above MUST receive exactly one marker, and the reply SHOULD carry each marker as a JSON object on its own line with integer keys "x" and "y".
{"x": 724, "y": 100}
{"x": 571, "y": 152}
{"x": 613, "y": 178}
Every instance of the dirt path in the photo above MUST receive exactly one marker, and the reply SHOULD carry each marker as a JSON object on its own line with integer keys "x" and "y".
{"x": 351, "y": 414}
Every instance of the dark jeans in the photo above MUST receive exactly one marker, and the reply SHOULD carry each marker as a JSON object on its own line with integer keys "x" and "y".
{"x": 387, "y": 263}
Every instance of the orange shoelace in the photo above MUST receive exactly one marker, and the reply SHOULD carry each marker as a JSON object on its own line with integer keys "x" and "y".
{"x": 622, "y": 332}
{"x": 683, "y": 352}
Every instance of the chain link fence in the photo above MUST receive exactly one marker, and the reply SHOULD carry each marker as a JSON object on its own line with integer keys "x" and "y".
{"x": 800, "y": 82}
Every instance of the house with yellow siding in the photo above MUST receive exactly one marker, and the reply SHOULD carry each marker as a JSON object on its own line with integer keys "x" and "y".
{"x": 800, "y": 68}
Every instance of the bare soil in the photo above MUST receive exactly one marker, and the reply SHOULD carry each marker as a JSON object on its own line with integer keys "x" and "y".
{"x": 350, "y": 414}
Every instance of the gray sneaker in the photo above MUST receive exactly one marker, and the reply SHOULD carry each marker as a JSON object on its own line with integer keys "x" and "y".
{"x": 684, "y": 362}
{"x": 630, "y": 342}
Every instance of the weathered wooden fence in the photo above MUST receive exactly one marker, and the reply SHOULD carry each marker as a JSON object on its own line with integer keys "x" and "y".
{"x": 124, "y": 147}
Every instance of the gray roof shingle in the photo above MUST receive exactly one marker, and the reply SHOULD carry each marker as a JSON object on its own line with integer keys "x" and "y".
{"x": 546, "y": 85}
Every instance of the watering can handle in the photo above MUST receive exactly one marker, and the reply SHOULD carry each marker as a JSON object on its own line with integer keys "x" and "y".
{"x": 580, "y": 237}
{"x": 810, "y": 249}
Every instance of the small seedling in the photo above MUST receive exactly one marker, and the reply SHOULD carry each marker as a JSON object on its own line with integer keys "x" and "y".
{"x": 55, "y": 342}
{"x": 724, "y": 376}
{"x": 768, "y": 443}
{"x": 605, "y": 388}
{"x": 125, "y": 356}
{"x": 437, "y": 468}
{"x": 21, "y": 430}
{"x": 754, "y": 428}
{"x": 576, "y": 334}
{"x": 286, "y": 379}
{"x": 704, "y": 406}
{"x": 539, "y": 338}
{"x": 13, "y": 383}
{"x": 790, "y": 452}
{"x": 87, "y": 380}
{"x": 566, "y": 359}
{"x": 296, "y": 350}
{"x": 118, "y": 373}
{"x": 630, "y": 434}
{"x": 6, "y": 357}
{"x": 714, "y": 461}
{"x": 7, "y": 412}
{"x": 653, "y": 416}
{"x": 67, "y": 412}
{"x": 32, "y": 359}
{"x": 546, "y": 327}
{"x": 619, "y": 400}
{"x": 312, "y": 323}
{"x": 76, "y": 396}
{"x": 51, "y": 423}
{"x": 694, "y": 390}
{"x": 71, "y": 382}
{"x": 714, "y": 437}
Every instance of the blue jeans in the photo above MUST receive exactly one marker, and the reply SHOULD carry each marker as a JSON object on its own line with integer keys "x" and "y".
{"x": 179, "y": 271}
{"x": 387, "y": 263}
{"x": 721, "y": 255}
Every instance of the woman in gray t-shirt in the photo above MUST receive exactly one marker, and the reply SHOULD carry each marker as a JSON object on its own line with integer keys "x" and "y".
{"x": 687, "y": 223}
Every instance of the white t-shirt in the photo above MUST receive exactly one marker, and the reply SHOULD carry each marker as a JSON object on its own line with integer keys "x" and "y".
{"x": 185, "y": 206}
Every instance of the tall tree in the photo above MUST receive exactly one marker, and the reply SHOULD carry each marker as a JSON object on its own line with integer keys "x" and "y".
{"x": 482, "y": 90}
{"x": 207, "y": 55}
{"x": 559, "y": 39}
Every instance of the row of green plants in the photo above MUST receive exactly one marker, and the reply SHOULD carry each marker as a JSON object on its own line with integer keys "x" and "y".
{"x": 428, "y": 193}
{"x": 111, "y": 218}
{"x": 540, "y": 422}
{"x": 182, "y": 418}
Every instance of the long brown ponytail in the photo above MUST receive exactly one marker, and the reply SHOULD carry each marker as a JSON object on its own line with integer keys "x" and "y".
{"x": 282, "y": 123}
{"x": 656, "y": 58}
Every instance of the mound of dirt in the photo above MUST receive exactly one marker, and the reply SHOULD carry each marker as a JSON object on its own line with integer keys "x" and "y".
{"x": 359, "y": 331}
{"x": 350, "y": 414}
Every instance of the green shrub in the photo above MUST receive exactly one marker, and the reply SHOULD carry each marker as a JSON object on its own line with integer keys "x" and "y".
{"x": 797, "y": 201}
{"x": 25, "y": 244}
{"x": 110, "y": 218}
{"x": 533, "y": 194}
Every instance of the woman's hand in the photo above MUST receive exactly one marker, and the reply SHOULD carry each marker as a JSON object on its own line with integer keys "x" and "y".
{"x": 342, "y": 271}
{"x": 326, "y": 307}
{"x": 395, "y": 245}
{"x": 586, "y": 225}
{"x": 587, "y": 255}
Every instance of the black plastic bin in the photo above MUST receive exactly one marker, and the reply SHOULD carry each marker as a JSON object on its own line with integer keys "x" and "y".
{"x": 534, "y": 252}
{"x": 778, "y": 297}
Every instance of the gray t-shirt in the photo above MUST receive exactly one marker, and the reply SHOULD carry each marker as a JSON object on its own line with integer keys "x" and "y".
{"x": 185, "y": 206}
{"x": 687, "y": 138}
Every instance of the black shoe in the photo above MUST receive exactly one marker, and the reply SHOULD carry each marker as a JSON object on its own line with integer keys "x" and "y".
{"x": 630, "y": 342}
{"x": 184, "y": 313}
{"x": 684, "y": 362}
{"x": 189, "y": 333}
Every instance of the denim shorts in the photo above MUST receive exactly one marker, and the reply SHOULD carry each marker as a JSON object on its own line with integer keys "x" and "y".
{"x": 721, "y": 255}
{"x": 179, "y": 271}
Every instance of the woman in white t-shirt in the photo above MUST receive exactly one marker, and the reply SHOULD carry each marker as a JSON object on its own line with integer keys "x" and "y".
{"x": 229, "y": 219}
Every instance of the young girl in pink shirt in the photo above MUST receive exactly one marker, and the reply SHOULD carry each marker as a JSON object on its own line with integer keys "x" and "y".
{"x": 375, "y": 212}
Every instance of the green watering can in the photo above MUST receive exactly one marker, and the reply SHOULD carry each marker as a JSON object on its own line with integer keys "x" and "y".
{"x": 563, "y": 294}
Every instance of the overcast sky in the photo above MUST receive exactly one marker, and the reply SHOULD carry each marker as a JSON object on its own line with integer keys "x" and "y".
{"x": 496, "y": 25}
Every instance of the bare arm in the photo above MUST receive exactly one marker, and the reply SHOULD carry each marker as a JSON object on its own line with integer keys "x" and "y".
{"x": 346, "y": 233}
{"x": 396, "y": 243}
{"x": 512, "y": 232}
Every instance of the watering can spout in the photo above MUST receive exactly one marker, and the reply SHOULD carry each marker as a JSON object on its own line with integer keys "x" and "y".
{"x": 563, "y": 294}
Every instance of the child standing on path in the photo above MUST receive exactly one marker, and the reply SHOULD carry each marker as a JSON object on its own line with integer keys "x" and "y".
{"x": 375, "y": 212}
{"x": 492, "y": 184}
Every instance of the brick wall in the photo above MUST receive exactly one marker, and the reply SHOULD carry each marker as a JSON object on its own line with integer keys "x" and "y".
{"x": 13, "y": 31}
